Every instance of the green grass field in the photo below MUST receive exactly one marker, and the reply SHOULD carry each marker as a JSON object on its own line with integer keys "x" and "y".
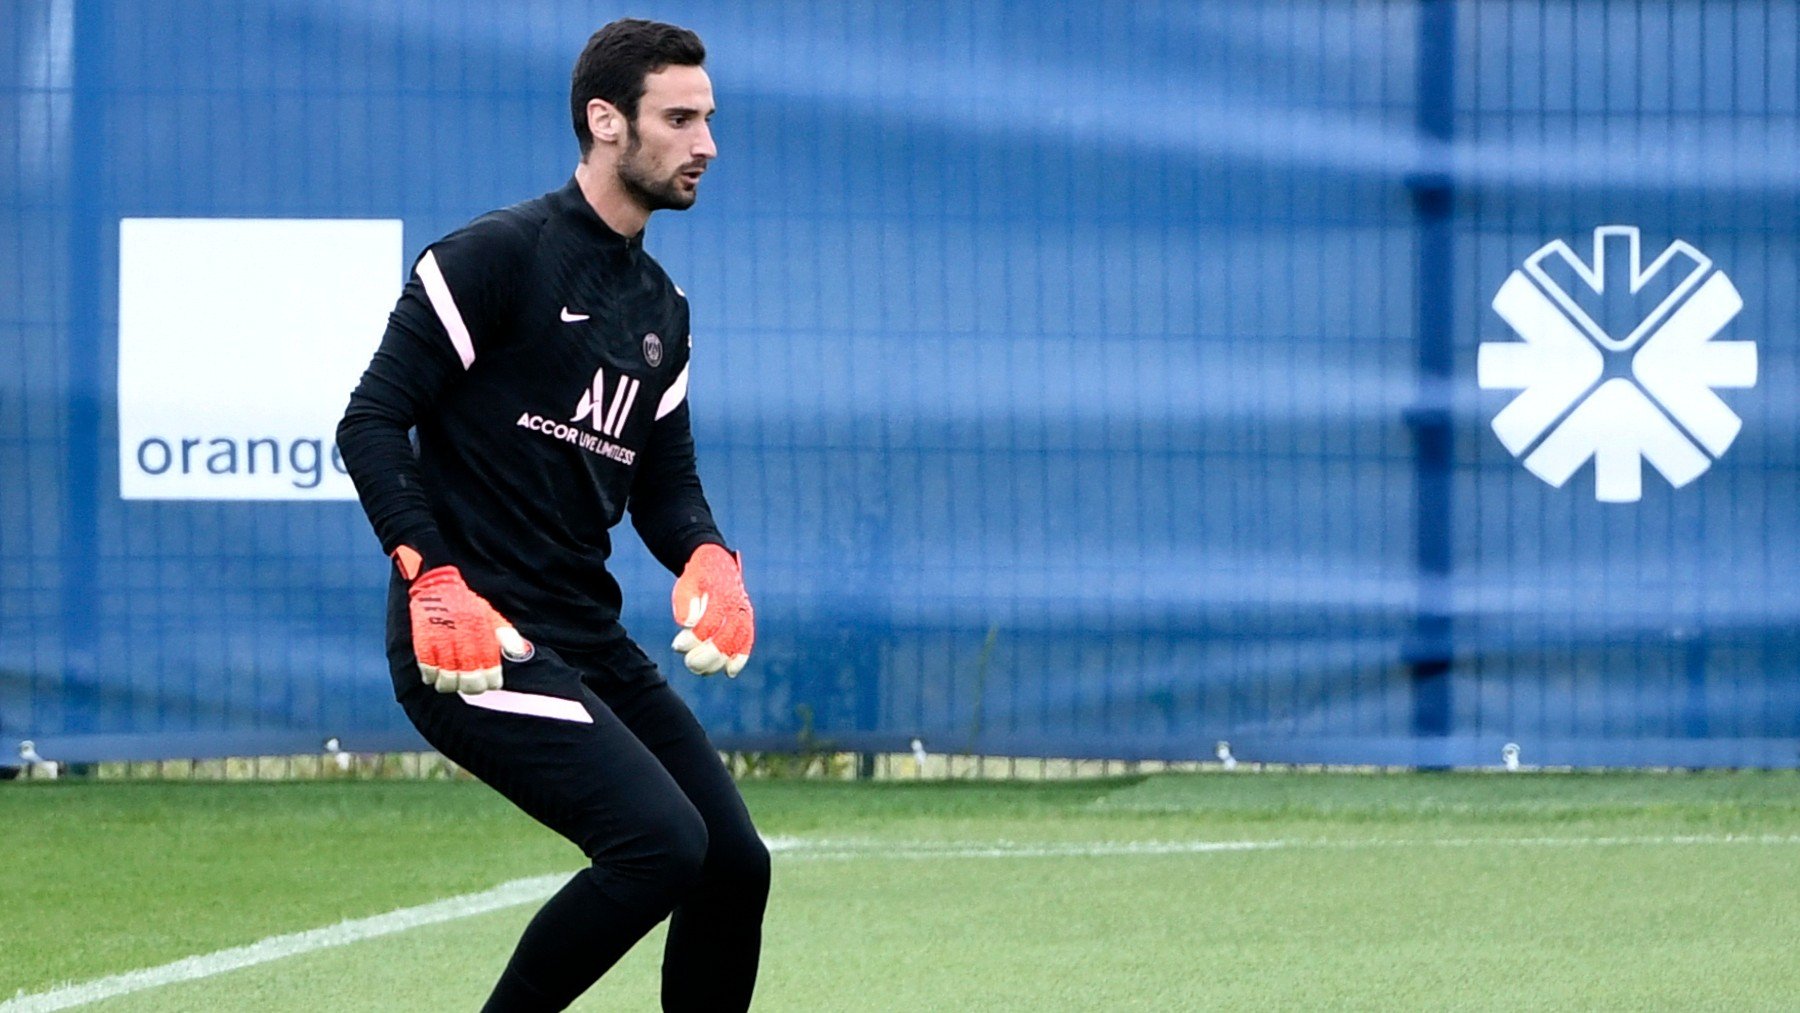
{"x": 1384, "y": 892}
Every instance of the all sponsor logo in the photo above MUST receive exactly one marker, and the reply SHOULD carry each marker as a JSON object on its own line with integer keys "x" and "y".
{"x": 605, "y": 406}
{"x": 608, "y": 416}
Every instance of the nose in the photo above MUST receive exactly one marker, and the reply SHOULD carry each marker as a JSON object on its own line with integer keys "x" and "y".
{"x": 703, "y": 144}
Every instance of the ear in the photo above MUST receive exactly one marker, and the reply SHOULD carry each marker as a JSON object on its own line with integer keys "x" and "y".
{"x": 605, "y": 122}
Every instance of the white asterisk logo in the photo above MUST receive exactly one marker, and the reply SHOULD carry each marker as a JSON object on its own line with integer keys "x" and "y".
{"x": 1603, "y": 378}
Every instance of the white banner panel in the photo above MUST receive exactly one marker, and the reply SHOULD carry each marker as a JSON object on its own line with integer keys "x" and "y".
{"x": 239, "y": 343}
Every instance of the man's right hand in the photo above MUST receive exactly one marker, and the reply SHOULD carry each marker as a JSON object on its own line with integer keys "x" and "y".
{"x": 457, "y": 635}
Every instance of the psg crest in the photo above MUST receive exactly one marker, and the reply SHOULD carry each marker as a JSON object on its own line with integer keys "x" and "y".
{"x": 653, "y": 349}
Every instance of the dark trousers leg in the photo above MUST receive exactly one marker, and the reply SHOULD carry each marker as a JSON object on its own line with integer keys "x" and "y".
{"x": 593, "y": 782}
{"x": 715, "y": 932}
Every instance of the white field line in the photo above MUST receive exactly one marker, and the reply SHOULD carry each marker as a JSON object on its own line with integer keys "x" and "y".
{"x": 877, "y": 848}
{"x": 518, "y": 891}
{"x": 535, "y": 888}
{"x": 816, "y": 850}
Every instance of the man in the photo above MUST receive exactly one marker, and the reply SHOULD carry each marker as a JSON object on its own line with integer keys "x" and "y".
{"x": 542, "y": 356}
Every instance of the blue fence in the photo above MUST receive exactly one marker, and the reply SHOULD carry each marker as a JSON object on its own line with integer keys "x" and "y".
{"x": 1096, "y": 381}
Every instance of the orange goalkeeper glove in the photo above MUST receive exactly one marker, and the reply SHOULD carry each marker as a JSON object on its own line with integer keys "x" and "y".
{"x": 457, "y": 635}
{"x": 718, "y": 627}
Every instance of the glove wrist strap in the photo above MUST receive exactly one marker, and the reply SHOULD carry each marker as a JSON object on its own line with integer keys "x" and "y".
{"x": 408, "y": 561}
{"x": 421, "y": 552}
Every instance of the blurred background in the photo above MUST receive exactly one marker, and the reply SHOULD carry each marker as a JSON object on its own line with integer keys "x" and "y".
{"x": 1096, "y": 381}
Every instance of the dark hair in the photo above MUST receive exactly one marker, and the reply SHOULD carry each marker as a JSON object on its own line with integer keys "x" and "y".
{"x": 615, "y": 62}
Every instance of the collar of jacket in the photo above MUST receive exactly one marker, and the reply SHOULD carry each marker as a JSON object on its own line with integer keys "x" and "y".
{"x": 569, "y": 201}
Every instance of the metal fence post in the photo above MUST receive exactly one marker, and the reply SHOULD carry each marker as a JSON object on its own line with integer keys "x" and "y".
{"x": 1428, "y": 651}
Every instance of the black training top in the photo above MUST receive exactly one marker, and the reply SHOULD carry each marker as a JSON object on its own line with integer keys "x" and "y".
{"x": 543, "y": 359}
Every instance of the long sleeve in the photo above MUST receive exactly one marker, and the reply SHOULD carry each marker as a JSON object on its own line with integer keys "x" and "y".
{"x": 668, "y": 507}
{"x": 408, "y": 372}
{"x": 454, "y": 306}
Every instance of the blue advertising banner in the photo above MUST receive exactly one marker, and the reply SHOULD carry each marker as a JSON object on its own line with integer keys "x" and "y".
{"x": 1352, "y": 383}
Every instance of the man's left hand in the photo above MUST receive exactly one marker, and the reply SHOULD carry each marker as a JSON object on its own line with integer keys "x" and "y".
{"x": 718, "y": 627}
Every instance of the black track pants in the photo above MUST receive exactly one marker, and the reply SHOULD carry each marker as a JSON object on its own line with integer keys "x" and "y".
{"x": 598, "y": 748}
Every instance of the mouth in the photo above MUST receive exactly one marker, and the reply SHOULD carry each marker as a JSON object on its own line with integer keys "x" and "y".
{"x": 691, "y": 176}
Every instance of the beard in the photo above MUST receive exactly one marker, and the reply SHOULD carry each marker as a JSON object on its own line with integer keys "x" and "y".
{"x": 639, "y": 180}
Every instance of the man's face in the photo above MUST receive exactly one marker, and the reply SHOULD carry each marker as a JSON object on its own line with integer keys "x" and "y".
{"x": 670, "y": 143}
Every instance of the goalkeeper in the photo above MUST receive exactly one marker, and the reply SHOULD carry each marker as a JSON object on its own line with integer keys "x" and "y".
{"x": 542, "y": 357}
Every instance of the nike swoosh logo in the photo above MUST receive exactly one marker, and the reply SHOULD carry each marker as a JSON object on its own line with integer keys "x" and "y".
{"x": 572, "y": 318}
